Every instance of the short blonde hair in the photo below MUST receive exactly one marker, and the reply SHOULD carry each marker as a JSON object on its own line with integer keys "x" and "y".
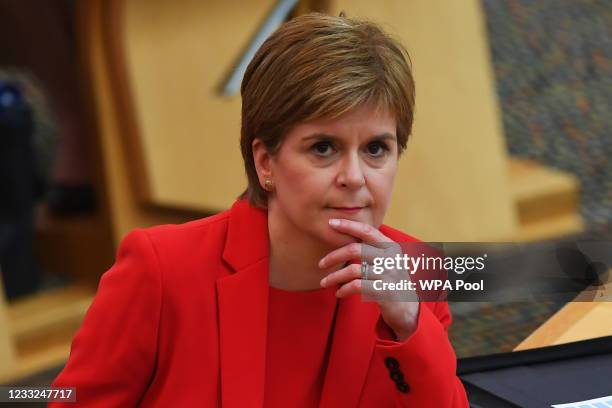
{"x": 319, "y": 66}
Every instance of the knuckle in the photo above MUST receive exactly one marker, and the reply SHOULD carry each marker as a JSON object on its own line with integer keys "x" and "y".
{"x": 331, "y": 278}
{"x": 393, "y": 249}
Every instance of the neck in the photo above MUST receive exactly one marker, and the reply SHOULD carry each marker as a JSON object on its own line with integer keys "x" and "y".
{"x": 294, "y": 257}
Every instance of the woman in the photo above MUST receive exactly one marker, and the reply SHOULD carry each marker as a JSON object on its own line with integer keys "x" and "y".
{"x": 259, "y": 305}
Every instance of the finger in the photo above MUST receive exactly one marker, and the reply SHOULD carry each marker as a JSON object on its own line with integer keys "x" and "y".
{"x": 361, "y": 230}
{"x": 350, "y": 288}
{"x": 341, "y": 255}
{"x": 352, "y": 271}
{"x": 353, "y": 251}
{"x": 357, "y": 286}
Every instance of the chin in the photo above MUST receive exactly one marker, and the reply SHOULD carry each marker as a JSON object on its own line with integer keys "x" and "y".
{"x": 336, "y": 240}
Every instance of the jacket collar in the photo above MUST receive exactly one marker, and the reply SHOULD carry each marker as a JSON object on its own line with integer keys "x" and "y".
{"x": 247, "y": 235}
{"x": 243, "y": 312}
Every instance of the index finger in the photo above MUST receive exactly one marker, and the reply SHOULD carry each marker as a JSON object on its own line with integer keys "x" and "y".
{"x": 365, "y": 232}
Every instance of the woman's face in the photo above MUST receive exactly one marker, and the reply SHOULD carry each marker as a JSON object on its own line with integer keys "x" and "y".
{"x": 338, "y": 168}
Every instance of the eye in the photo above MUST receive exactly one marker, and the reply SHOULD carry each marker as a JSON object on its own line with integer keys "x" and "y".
{"x": 377, "y": 149}
{"x": 323, "y": 148}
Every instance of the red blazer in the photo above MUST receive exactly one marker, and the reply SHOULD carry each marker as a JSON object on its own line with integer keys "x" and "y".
{"x": 180, "y": 321}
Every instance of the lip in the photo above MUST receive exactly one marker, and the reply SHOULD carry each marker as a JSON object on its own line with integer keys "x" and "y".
{"x": 348, "y": 210}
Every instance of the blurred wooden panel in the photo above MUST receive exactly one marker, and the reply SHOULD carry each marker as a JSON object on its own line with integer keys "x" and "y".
{"x": 453, "y": 181}
{"x": 541, "y": 192}
{"x": 547, "y": 201}
{"x": 587, "y": 317}
{"x": 7, "y": 345}
{"x": 177, "y": 55}
{"x": 575, "y": 322}
{"x": 41, "y": 328}
{"x": 80, "y": 247}
{"x": 110, "y": 109}
{"x": 45, "y": 311}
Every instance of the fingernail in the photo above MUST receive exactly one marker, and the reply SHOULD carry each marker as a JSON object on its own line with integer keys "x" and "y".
{"x": 323, "y": 282}
{"x": 321, "y": 262}
{"x": 334, "y": 222}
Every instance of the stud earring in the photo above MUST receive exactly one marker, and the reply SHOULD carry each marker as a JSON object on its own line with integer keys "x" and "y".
{"x": 268, "y": 183}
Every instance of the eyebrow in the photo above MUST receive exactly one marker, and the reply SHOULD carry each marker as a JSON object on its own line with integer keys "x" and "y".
{"x": 382, "y": 136}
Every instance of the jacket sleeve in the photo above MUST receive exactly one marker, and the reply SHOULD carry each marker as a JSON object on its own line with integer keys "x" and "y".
{"x": 112, "y": 356}
{"x": 423, "y": 367}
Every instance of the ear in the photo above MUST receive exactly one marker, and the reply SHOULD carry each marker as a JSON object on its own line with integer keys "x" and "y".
{"x": 263, "y": 161}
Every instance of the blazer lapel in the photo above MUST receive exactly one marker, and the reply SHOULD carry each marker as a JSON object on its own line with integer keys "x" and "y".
{"x": 243, "y": 308}
{"x": 351, "y": 351}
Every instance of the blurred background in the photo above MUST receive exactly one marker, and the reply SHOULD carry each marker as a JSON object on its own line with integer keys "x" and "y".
{"x": 117, "y": 114}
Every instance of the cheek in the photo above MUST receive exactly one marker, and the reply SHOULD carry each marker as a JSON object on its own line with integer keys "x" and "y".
{"x": 382, "y": 185}
{"x": 304, "y": 181}
{"x": 301, "y": 186}
{"x": 381, "y": 190}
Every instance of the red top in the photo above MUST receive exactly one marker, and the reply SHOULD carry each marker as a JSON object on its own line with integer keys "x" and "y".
{"x": 300, "y": 325}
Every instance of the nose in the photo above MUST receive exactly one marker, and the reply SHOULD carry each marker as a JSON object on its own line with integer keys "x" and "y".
{"x": 351, "y": 174}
